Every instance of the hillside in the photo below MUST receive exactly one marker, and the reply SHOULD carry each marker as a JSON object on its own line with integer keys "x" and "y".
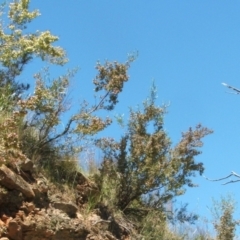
{"x": 44, "y": 193}
{"x": 33, "y": 208}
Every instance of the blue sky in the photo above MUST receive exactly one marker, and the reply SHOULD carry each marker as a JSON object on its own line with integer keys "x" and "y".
{"x": 187, "y": 47}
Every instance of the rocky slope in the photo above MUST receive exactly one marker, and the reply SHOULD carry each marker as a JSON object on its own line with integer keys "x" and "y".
{"x": 33, "y": 208}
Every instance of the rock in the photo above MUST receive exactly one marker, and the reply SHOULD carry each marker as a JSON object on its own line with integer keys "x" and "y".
{"x": 28, "y": 207}
{"x": 93, "y": 218}
{"x": 10, "y": 200}
{"x": 49, "y": 233}
{"x": 14, "y": 230}
{"x": 53, "y": 224}
{"x": 11, "y": 180}
{"x": 1, "y": 223}
{"x": 42, "y": 186}
{"x": 27, "y": 165}
{"x": 4, "y": 218}
{"x": 80, "y": 216}
{"x": 69, "y": 208}
{"x": 51, "y": 215}
{"x": 86, "y": 191}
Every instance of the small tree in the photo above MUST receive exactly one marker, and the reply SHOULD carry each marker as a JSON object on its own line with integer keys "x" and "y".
{"x": 142, "y": 165}
{"x": 30, "y": 125}
{"x": 17, "y": 48}
{"x": 224, "y": 223}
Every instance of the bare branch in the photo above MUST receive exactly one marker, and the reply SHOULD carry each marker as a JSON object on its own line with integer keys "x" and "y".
{"x": 218, "y": 179}
{"x": 99, "y": 104}
{"x": 60, "y": 134}
{"x": 237, "y": 91}
{"x": 235, "y": 174}
{"x": 230, "y": 175}
{"x": 233, "y": 181}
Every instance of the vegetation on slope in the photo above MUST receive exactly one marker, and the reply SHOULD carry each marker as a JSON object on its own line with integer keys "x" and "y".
{"x": 140, "y": 173}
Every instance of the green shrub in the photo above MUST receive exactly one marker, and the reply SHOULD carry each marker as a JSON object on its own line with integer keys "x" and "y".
{"x": 224, "y": 223}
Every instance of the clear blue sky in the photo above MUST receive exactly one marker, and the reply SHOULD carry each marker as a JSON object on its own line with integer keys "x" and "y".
{"x": 188, "y": 47}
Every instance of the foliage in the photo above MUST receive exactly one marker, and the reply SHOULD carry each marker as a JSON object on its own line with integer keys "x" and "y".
{"x": 139, "y": 174}
{"x": 46, "y": 106}
{"x": 155, "y": 226}
{"x": 10, "y": 148}
{"x": 180, "y": 214}
{"x": 30, "y": 126}
{"x": 224, "y": 223}
{"x": 142, "y": 165}
{"x": 18, "y": 47}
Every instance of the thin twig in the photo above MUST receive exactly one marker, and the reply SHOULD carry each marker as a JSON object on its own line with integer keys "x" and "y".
{"x": 99, "y": 104}
{"x": 218, "y": 179}
{"x": 101, "y": 220}
{"x": 233, "y": 181}
{"x": 230, "y": 175}
{"x": 235, "y": 174}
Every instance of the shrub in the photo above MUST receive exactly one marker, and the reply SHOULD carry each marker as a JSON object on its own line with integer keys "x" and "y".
{"x": 142, "y": 166}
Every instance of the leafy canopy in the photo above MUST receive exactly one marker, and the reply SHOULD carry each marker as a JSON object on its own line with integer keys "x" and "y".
{"x": 146, "y": 168}
{"x": 35, "y": 119}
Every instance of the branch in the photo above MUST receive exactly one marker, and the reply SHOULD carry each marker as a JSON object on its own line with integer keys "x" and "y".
{"x": 233, "y": 181}
{"x": 69, "y": 124}
{"x": 60, "y": 134}
{"x": 231, "y": 174}
{"x": 99, "y": 104}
